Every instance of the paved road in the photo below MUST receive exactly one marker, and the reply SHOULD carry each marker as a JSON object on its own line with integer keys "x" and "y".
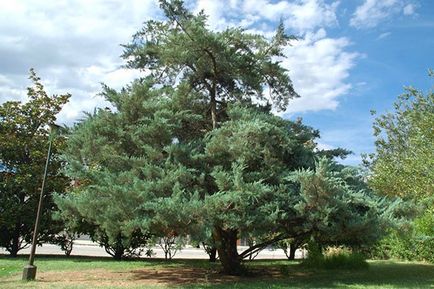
{"x": 87, "y": 248}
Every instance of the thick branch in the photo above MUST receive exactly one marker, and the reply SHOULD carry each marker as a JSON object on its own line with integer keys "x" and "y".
{"x": 261, "y": 246}
{"x": 258, "y": 247}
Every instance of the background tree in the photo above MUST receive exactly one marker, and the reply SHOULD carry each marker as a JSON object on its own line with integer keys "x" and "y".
{"x": 23, "y": 153}
{"x": 403, "y": 166}
{"x": 290, "y": 246}
{"x": 404, "y": 159}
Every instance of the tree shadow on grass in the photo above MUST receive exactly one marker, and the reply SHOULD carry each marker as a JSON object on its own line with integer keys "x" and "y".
{"x": 379, "y": 275}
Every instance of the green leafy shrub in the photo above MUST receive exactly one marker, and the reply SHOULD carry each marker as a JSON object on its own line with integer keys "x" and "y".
{"x": 409, "y": 247}
{"x": 413, "y": 243}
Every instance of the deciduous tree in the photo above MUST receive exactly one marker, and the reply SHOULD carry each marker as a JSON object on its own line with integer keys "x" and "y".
{"x": 23, "y": 152}
{"x": 404, "y": 159}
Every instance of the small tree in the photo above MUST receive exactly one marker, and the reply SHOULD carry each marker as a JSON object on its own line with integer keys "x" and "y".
{"x": 66, "y": 241}
{"x": 23, "y": 153}
{"x": 170, "y": 244}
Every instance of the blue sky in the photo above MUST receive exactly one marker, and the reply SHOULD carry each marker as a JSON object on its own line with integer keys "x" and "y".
{"x": 352, "y": 56}
{"x": 396, "y": 52}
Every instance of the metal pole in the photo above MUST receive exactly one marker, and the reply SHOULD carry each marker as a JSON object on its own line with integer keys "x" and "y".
{"x": 29, "y": 272}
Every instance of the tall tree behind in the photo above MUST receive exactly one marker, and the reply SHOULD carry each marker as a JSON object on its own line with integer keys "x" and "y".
{"x": 23, "y": 152}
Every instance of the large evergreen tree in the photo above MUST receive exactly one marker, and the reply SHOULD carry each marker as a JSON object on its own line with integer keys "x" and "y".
{"x": 138, "y": 168}
{"x": 23, "y": 152}
{"x": 186, "y": 150}
{"x": 220, "y": 67}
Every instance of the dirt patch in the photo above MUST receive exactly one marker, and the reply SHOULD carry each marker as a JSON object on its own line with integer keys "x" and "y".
{"x": 181, "y": 276}
{"x": 163, "y": 276}
{"x": 92, "y": 278}
{"x": 157, "y": 276}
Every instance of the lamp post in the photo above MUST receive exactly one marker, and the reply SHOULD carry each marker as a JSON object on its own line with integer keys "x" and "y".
{"x": 29, "y": 271}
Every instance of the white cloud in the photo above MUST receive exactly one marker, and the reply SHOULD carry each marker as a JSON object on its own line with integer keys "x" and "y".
{"x": 372, "y": 12}
{"x": 409, "y": 9}
{"x": 319, "y": 67}
{"x": 384, "y": 35}
{"x": 215, "y": 11}
{"x": 74, "y": 46}
{"x": 323, "y": 146}
{"x": 301, "y": 15}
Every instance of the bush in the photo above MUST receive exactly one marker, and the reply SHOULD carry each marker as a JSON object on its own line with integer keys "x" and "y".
{"x": 405, "y": 245}
{"x": 424, "y": 247}
{"x": 334, "y": 258}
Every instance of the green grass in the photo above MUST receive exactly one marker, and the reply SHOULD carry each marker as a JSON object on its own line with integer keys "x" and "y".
{"x": 380, "y": 274}
{"x": 12, "y": 266}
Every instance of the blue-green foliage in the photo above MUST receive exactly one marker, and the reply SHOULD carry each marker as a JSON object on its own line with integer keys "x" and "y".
{"x": 124, "y": 167}
{"x": 141, "y": 172}
{"x": 339, "y": 209}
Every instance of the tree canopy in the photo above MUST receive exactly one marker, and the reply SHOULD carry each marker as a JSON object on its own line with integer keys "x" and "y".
{"x": 139, "y": 169}
{"x": 215, "y": 64}
{"x": 403, "y": 165}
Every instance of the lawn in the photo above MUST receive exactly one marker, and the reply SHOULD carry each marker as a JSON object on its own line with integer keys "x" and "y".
{"x": 87, "y": 272}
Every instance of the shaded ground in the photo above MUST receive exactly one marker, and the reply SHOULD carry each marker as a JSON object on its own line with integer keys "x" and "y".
{"x": 164, "y": 276}
{"x": 150, "y": 276}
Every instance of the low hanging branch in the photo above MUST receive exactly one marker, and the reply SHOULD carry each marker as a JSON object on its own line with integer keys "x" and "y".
{"x": 258, "y": 247}
{"x": 254, "y": 249}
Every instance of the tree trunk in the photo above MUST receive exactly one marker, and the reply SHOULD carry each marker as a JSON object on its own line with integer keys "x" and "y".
{"x": 226, "y": 243}
{"x": 213, "y": 104}
{"x": 213, "y": 254}
{"x": 292, "y": 249}
{"x": 118, "y": 253}
{"x": 15, "y": 246}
